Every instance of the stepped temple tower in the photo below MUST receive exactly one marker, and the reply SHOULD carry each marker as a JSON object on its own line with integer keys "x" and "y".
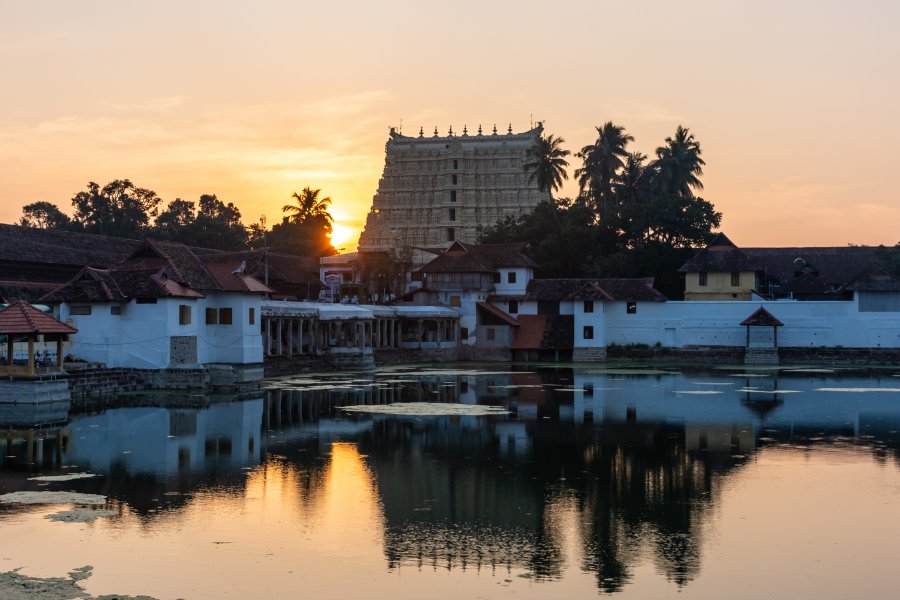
{"x": 439, "y": 189}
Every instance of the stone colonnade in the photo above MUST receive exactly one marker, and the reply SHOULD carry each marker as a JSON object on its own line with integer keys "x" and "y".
{"x": 309, "y": 336}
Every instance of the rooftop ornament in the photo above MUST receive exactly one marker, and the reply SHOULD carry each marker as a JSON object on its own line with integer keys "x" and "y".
{"x": 421, "y": 132}
{"x": 509, "y": 131}
{"x": 495, "y": 129}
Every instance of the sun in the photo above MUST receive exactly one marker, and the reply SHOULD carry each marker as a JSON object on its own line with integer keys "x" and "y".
{"x": 341, "y": 235}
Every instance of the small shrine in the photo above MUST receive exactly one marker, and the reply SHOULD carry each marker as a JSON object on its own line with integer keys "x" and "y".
{"x": 21, "y": 320}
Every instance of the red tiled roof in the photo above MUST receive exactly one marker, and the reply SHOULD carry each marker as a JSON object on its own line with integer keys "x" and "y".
{"x": 640, "y": 289}
{"x": 496, "y": 312}
{"x": 530, "y": 332}
{"x": 761, "y": 318}
{"x": 231, "y": 278}
{"x": 544, "y": 332}
{"x": 21, "y": 317}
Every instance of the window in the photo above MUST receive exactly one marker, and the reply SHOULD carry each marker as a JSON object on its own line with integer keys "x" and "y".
{"x": 588, "y": 306}
{"x": 453, "y": 179}
{"x": 491, "y": 334}
{"x": 452, "y": 214}
{"x": 184, "y": 314}
{"x": 455, "y": 302}
{"x": 548, "y": 307}
{"x": 80, "y": 309}
{"x": 252, "y": 320}
{"x": 455, "y": 164}
{"x": 452, "y": 195}
{"x": 212, "y": 316}
{"x": 513, "y": 307}
{"x": 115, "y": 309}
{"x": 588, "y": 332}
{"x": 464, "y": 333}
{"x": 589, "y": 389}
{"x": 495, "y": 278}
{"x": 224, "y": 316}
{"x": 735, "y": 279}
{"x": 702, "y": 278}
{"x": 451, "y": 234}
{"x": 631, "y": 308}
{"x": 511, "y": 277}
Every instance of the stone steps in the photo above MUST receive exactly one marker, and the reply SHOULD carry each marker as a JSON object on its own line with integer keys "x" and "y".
{"x": 761, "y": 356}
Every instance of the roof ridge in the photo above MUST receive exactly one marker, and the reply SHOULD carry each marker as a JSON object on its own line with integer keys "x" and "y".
{"x": 22, "y": 306}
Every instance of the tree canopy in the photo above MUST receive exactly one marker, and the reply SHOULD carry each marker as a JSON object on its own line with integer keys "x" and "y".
{"x": 122, "y": 209}
{"x": 632, "y": 217}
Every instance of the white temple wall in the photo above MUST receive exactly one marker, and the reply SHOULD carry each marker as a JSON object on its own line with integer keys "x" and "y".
{"x": 698, "y": 323}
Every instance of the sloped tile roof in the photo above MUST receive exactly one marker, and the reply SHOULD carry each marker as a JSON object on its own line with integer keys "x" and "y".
{"x": 230, "y": 279}
{"x": 30, "y": 244}
{"x": 761, "y": 318}
{"x": 20, "y": 317}
{"x": 875, "y": 279}
{"x": 835, "y": 266}
{"x": 721, "y": 255}
{"x": 497, "y": 313}
{"x": 285, "y": 270}
{"x": 461, "y": 257}
{"x": 640, "y": 289}
{"x": 544, "y": 332}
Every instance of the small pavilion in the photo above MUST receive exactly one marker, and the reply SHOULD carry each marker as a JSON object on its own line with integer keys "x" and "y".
{"x": 762, "y": 318}
{"x": 22, "y": 319}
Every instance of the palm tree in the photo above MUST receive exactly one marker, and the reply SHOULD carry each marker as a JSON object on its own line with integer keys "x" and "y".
{"x": 602, "y": 162}
{"x": 678, "y": 164}
{"x": 308, "y": 206}
{"x": 632, "y": 197}
{"x": 547, "y": 163}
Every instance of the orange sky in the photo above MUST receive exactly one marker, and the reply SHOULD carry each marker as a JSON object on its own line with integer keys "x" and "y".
{"x": 794, "y": 103}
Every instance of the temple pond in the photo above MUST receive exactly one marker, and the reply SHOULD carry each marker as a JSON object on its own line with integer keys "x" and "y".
{"x": 549, "y": 480}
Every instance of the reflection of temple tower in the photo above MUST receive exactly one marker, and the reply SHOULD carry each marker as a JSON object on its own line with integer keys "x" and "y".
{"x": 438, "y": 189}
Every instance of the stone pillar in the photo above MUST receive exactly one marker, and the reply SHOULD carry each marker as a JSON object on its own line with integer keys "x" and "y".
{"x": 29, "y": 370}
{"x": 290, "y": 338}
{"x": 279, "y": 344}
{"x": 300, "y": 336}
{"x": 268, "y": 346}
{"x": 59, "y": 352}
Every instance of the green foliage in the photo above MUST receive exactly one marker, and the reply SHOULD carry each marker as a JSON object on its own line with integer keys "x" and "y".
{"x": 547, "y": 164}
{"x": 119, "y": 209}
{"x": 44, "y": 215}
{"x": 122, "y": 209}
{"x": 632, "y": 218}
{"x": 309, "y": 238}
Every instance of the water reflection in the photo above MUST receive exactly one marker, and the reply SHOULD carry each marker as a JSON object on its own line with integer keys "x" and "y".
{"x": 593, "y": 471}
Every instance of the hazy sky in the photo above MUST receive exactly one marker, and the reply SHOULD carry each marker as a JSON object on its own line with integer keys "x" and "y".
{"x": 794, "y": 103}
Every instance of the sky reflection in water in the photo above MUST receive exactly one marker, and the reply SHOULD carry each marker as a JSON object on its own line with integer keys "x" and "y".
{"x": 599, "y": 481}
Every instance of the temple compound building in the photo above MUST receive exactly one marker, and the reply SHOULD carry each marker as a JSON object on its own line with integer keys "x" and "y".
{"x": 439, "y": 189}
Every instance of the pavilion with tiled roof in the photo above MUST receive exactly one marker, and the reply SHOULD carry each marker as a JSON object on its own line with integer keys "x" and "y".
{"x": 762, "y": 318}
{"x": 22, "y": 319}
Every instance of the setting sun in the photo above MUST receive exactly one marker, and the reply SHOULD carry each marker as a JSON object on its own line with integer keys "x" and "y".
{"x": 341, "y": 235}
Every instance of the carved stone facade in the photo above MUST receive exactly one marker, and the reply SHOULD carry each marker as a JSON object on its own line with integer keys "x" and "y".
{"x": 435, "y": 190}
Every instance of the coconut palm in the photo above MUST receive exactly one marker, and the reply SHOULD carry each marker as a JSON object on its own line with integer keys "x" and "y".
{"x": 602, "y": 162}
{"x": 678, "y": 165}
{"x": 308, "y": 206}
{"x": 547, "y": 163}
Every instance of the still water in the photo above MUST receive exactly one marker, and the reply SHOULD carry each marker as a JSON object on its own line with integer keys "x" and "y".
{"x": 599, "y": 481}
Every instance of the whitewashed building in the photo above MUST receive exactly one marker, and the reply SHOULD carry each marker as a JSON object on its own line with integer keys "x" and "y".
{"x": 164, "y": 307}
